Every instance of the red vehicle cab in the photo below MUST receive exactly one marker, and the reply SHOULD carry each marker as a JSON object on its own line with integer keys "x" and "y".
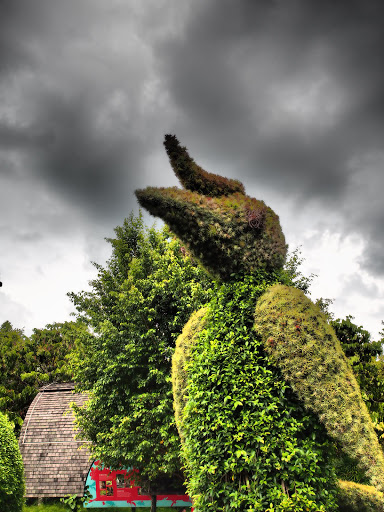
{"x": 117, "y": 489}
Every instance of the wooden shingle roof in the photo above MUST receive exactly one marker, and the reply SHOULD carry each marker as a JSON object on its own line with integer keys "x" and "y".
{"x": 54, "y": 463}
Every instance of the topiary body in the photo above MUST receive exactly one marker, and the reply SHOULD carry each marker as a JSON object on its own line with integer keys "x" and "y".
{"x": 247, "y": 440}
{"x": 181, "y": 357}
{"x": 11, "y": 469}
{"x": 255, "y": 432}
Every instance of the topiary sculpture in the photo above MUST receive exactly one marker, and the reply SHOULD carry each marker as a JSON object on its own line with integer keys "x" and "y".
{"x": 11, "y": 469}
{"x": 260, "y": 392}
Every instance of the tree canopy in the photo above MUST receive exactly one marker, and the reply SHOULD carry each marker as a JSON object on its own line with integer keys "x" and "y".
{"x": 137, "y": 307}
{"x": 27, "y": 363}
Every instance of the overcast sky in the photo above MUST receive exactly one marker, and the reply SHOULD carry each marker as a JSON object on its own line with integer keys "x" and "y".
{"x": 285, "y": 95}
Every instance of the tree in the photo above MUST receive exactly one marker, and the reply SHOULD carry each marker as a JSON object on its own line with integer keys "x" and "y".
{"x": 294, "y": 273}
{"x": 26, "y": 364}
{"x": 15, "y": 395}
{"x": 137, "y": 307}
{"x": 50, "y": 348}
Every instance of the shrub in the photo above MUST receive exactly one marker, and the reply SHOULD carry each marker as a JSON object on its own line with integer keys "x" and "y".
{"x": 248, "y": 443}
{"x": 181, "y": 357}
{"x": 11, "y": 469}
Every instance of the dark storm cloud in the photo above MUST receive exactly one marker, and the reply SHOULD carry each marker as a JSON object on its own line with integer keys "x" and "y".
{"x": 86, "y": 162}
{"x": 291, "y": 93}
{"x": 287, "y": 94}
{"x": 19, "y": 137}
{"x": 74, "y": 74}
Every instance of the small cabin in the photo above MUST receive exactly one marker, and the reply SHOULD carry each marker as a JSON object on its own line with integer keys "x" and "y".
{"x": 55, "y": 463}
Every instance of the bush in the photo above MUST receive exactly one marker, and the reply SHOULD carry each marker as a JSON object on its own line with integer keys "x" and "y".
{"x": 11, "y": 469}
{"x": 248, "y": 443}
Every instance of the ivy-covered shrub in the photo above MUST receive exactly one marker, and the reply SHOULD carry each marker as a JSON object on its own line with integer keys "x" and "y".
{"x": 11, "y": 469}
{"x": 227, "y": 231}
{"x": 359, "y": 498}
{"x": 299, "y": 339}
{"x": 248, "y": 443}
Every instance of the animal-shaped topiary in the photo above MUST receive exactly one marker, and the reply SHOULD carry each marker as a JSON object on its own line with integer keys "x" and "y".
{"x": 258, "y": 392}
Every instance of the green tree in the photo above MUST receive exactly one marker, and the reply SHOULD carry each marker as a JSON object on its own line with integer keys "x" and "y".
{"x": 137, "y": 307}
{"x": 27, "y": 363}
{"x": 49, "y": 349}
{"x": 293, "y": 271}
{"x": 15, "y": 395}
{"x": 11, "y": 469}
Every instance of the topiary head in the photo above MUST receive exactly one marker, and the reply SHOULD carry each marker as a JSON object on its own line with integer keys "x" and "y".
{"x": 228, "y": 231}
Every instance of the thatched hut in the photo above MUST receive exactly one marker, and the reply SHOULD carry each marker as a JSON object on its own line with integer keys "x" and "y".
{"x": 54, "y": 462}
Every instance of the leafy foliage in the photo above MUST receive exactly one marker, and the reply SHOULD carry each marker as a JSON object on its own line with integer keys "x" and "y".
{"x": 248, "y": 443}
{"x": 137, "y": 308}
{"x": 11, "y": 469}
{"x": 28, "y": 363}
{"x": 299, "y": 339}
{"x": 294, "y": 273}
{"x": 15, "y": 395}
{"x": 181, "y": 357}
{"x": 227, "y": 231}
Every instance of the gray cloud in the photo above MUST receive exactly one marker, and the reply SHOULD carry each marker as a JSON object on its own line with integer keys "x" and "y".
{"x": 22, "y": 137}
{"x": 288, "y": 95}
{"x": 291, "y": 93}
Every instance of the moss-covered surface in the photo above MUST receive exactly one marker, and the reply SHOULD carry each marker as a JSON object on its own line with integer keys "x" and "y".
{"x": 228, "y": 231}
{"x": 255, "y": 407}
{"x": 195, "y": 178}
{"x": 304, "y": 346}
{"x": 359, "y": 498}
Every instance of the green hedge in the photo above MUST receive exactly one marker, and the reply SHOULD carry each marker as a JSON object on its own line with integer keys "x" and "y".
{"x": 249, "y": 445}
{"x": 11, "y": 469}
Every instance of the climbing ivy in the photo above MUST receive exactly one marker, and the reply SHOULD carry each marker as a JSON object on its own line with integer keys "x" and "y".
{"x": 248, "y": 443}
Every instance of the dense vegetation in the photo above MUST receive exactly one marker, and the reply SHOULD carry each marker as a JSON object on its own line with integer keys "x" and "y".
{"x": 366, "y": 359}
{"x": 231, "y": 233}
{"x": 249, "y": 444}
{"x": 226, "y": 230}
{"x": 137, "y": 307}
{"x": 27, "y": 363}
{"x": 11, "y": 469}
{"x": 300, "y": 341}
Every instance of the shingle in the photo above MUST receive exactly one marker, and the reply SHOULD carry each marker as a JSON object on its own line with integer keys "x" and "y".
{"x": 53, "y": 463}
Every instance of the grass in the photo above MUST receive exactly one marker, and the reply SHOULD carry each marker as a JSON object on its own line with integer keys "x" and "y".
{"x": 59, "y": 507}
